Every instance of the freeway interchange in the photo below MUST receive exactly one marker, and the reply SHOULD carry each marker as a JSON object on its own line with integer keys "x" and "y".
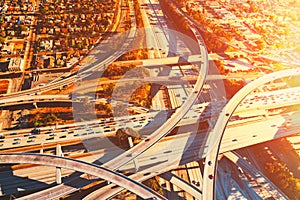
{"x": 159, "y": 146}
{"x": 145, "y": 122}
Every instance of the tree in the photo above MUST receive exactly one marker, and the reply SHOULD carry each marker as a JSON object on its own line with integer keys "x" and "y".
{"x": 275, "y": 170}
{"x": 122, "y": 138}
{"x": 261, "y": 44}
{"x": 123, "y": 134}
{"x": 232, "y": 87}
{"x": 153, "y": 184}
{"x": 220, "y": 66}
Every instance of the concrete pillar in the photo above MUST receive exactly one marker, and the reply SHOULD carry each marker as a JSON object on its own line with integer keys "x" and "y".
{"x": 58, "y": 169}
{"x": 42, "y": 149}
{"x": 135, "y": 162}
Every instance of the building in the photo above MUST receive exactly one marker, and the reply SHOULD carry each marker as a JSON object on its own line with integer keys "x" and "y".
{"x": 4, "y": 66}
{"x": 16, "y": 64}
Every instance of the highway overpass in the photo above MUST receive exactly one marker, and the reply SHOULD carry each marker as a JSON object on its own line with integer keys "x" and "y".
{"x": 215, "y": 137}
{"x": 81, "y": 166}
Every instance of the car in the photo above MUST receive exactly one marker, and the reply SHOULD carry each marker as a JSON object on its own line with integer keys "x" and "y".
{"x": 53, "y": 134}
{"x": 32, "y": 136}
{"x": 14, "y": 133}
{"x": 197, "y": 183}
{"x": 16, "y": 139}
{"x": 15, "y": 143}
{"x": 1, "y": 141}
{"x": 50, "y": 138}
{"x": 76, "y": 135}
{"x": 29, "y": 141}
{"x": 27, "y": 135}
{"x": 63, "y": 136}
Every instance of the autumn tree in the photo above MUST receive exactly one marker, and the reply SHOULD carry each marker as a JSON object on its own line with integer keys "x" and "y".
{"x": 154, "y": 184}
{"x": 276, "y": 170}
{"x": 232, "y": 87}
{"x": 123, "y": 134}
